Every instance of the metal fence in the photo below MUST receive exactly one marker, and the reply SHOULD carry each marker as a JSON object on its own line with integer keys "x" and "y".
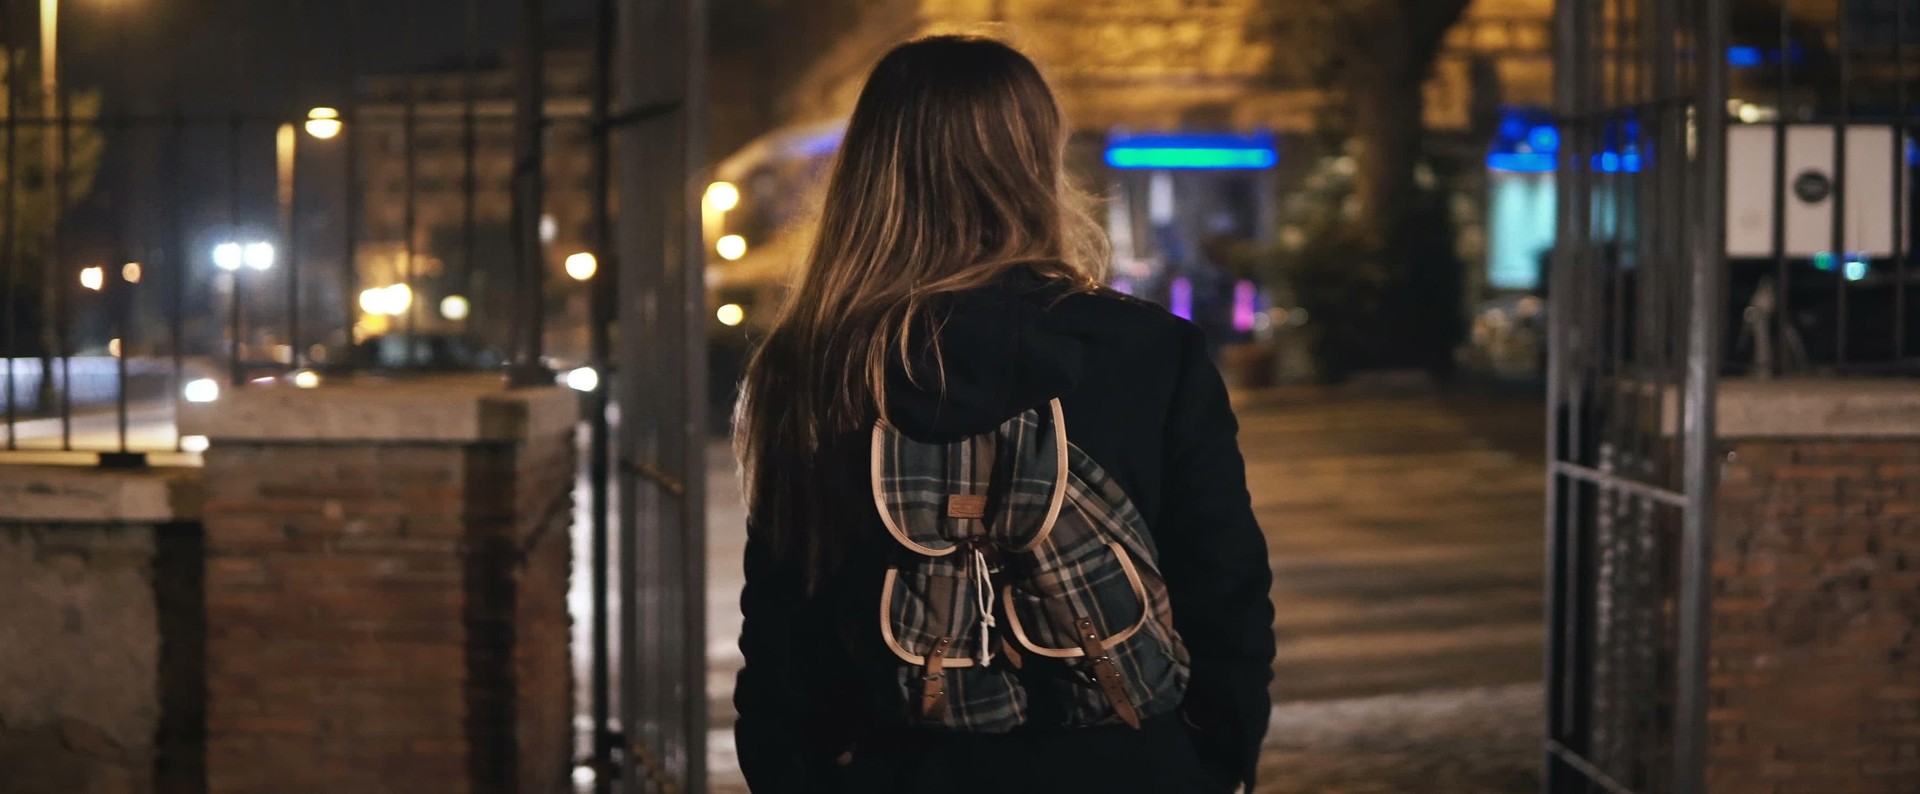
{"x": 1735, "y": 200}
{"x": 151, "y": 256}
{"x": 1635, "y": 343}
{"x": 1820, "y": 203}
{"x": 367, "y": 189}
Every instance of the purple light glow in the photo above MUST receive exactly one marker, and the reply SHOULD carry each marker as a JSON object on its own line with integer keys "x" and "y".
{"x": 1123, "y": 286}
{"x": 1180, "y": 298}
{"x": 1243, "y": 308}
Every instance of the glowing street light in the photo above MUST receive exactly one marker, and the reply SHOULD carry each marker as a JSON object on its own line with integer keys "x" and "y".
{"x": 258, "y": 255}
{"x": 581, "y": 266}
{"x": 229, "y": 256}
{"x": 730, "y": 247}
{"x": 93, "y": 278}
{"x": 323, "y": 123}
{"x": 730, "y": 314}
{"x": 306, "y": 379}
{"x": 583, "y": 379}
{"x": 201, "y": 390}
{"x": 455, "y": 307}
{"x": 388, "y": 301}
{"x": 130, "y": 272}
{"x": 722, "y": 196}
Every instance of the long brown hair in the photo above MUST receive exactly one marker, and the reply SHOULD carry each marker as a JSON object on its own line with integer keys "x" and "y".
{"x": 950, "y": 174}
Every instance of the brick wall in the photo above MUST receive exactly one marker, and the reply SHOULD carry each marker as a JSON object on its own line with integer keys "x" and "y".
{"x": 388, "y": 617}
{"x": 1815, "y": 668}
{"x": 99, "y": 658}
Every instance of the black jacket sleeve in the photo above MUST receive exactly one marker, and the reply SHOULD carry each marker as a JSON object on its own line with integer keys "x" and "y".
{"x": 1214, "y": 558}
{"x": 789, "y": 733}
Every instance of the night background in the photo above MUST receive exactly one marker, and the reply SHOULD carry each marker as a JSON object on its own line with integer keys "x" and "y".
{"x": 367, "y": 381}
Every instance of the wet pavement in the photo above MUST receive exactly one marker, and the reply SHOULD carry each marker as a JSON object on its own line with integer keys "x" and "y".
{"x": 1404, "y": 529}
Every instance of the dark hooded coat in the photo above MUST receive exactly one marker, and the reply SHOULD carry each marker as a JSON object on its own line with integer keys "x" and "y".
{"x": 1142, "y": 399}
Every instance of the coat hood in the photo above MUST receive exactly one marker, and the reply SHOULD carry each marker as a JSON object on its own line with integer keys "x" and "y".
{"x": 1001, "y": 352}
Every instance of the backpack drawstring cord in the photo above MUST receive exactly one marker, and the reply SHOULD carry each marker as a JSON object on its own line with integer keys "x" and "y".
{"x": 983, "y": 599}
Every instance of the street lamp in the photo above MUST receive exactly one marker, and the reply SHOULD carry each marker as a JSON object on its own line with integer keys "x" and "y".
{"x": 388, "y": 301}
{"x": 93, "y": 278}
{"x": 722, "y": 196}
{"x": 323, "y": 123}
{"x": 455, "y": 307}
{"x": 731, "y": 247}
{"x": 130, "y": 272}
{"x": 581, "y": 266}
{"x": 258, "y": 255}
{"x": 229, "y": 256}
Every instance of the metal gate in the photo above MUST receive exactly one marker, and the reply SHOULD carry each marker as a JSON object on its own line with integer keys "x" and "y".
{"x": 1635, "y": 293}
{"x": 229, "y": 194}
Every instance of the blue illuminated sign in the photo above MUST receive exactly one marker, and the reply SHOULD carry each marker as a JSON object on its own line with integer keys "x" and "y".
{"x": 1192, "y": 151}
{"x": 1527, "y": 142}
{"x": 1748, "y": 57}
{"x": 1520, "y": 162}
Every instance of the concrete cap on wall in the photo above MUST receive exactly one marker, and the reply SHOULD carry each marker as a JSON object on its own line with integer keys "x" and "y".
{"x": 88, "y": 494}
{"x": 442, "y": 409}
{"x": 1886, "y": 408}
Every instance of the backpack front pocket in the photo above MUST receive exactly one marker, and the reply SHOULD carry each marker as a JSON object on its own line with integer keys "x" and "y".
{"x": 1100, "y": 583}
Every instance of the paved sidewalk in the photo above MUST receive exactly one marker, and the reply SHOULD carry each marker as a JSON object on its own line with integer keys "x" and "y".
{"x": 1457, "y": 741}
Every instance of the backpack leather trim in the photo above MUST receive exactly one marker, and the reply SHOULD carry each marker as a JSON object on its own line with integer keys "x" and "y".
{"x": 886, "y": 627}
{"x": 1060, "y": 487}
{"x": 1133, "y": 578}
{"x": 877, "y": 473}
{"x": 878, "y": 454}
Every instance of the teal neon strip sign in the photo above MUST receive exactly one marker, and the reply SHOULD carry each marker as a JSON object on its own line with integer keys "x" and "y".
{"x": 1192, "y": 151}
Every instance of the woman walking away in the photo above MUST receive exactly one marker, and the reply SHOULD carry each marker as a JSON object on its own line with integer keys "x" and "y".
{"x": 999, "y": 535}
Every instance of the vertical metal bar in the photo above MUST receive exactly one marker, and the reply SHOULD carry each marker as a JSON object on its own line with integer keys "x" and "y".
{"x": 62, "y": 177}
{"x": 529, "y": 188}
{"x": 1843, "y": 122}
{"x": 600, "y": 341}
{"x": 469, "y": 148}
{"x": 1699, "y": 441}
{"x": 1783, "y": 274}
{"x": 350, "y": 198}
{"x": 119, "y": 293}
{"x": 410, "y": 211}
{"x": 1901, "y": 169}
{"x": 9, "y": 343}
{"x": 662, "y": 299}
{"x": 290, "y": 202}
{"x": 1572, "y": 51}
{"x": 236, "y": 373}
{"x": 177, "y": 259}
{"x": 687, "y": 264}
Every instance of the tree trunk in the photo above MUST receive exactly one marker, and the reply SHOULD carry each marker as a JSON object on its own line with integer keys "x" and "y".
{"x": 1387, "y": 105}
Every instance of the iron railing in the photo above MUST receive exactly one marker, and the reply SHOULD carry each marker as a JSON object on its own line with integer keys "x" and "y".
{"x": 1635, "y": 340}
{"x": 1821, "y": 203}
{"x": 452, "y": 208}
{"x": 1736, "y": 198}
{"x": 405, "y": 221}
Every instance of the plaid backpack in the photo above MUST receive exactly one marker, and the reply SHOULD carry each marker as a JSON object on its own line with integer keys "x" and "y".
{"x": 1026, "y": 584}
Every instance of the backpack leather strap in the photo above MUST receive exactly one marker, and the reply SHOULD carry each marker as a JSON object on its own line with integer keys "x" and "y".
{"x": 933, "y": 684}
{"x": 1105, "y": 673}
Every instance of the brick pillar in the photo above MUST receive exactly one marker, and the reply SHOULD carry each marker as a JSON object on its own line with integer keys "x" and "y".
{"x": 101, "y": 631}
{"x": 1815, "y": 663}
{"x": 386, "y": 580}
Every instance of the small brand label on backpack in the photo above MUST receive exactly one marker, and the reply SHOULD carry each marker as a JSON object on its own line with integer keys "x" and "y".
{"x": 967, "y": 506}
